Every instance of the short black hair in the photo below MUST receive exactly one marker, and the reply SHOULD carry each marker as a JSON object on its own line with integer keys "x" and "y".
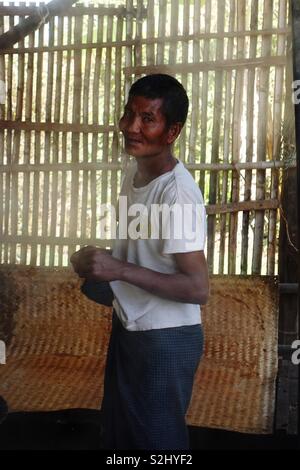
{"x": 175, "y": 100}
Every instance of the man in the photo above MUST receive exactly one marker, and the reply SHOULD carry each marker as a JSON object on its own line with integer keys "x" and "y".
{"x": 158, "y": 282}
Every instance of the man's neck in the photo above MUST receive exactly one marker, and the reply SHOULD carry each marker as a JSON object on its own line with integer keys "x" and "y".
{"x": 150, "y": 168}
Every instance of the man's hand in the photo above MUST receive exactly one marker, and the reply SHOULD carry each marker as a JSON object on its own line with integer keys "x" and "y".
{"x": 189, "y": 285}
{"x": 96, "y": 264}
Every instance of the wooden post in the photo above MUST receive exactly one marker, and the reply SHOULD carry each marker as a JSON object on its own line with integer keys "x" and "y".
{"x": 2, "y": 140}
{"x": 204, "y": 96}
{"x": 195, "y": 108}
{"x": 276, "y": 141}
{"x": 296, "y": 53}
{"x": 76, "y": 117}
{"x": 227, "y": 135}
{"x": 288, "y": 225}
{"x": 264, "y": 83}
{"x": 27, "y": 150}
{"x": 288, "y": 317}
{"x": 29, "y": 24}
{"x": 213, "y": 180}
{"x": 249, "y": 138}
{"x": 236, "y": 138}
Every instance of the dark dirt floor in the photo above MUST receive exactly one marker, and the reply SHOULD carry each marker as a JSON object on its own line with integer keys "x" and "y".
{"x": 80, "y": 430}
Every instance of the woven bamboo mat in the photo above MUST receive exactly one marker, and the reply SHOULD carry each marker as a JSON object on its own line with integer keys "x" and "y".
{"x": 235, "y": 383}
{"x": 58, "y": 343}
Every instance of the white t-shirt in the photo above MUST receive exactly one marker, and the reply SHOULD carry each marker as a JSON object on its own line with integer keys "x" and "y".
{"x": 169, "y": 218}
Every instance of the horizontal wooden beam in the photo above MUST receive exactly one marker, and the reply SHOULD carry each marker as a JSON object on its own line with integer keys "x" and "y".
{"x": 261, "y": 165}
{"x": 78, "y": 10}
{"x": 55, "y": 127}
{"x": 261, "y": 62}
{"x": 59, "y": 241}
{"x": 266, "y": 204}
{"x": 244, "y": 206}
{"x": 92, "y": 166}
{"x": 145, "y": 41}
{"x": 50, "y": 167}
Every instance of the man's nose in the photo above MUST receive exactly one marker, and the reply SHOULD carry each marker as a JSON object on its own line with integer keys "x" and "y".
{"x": 132, "y": 125}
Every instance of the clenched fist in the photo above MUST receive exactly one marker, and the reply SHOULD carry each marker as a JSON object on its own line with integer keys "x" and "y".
{"x": 96, "y": 264}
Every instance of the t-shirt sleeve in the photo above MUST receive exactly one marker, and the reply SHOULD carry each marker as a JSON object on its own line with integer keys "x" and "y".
{"x": 184, "y": 225}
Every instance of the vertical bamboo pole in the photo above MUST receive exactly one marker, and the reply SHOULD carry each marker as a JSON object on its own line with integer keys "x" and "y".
{"x": 261, "y": 140}
{"x": 2, "y": 138}
{"x": 150, "y": 29}
{"x": 137, "y": 50}
{"x": 117, "y": 113}
{"x": 236, "y": 138}
{"x": 129, "y": 52}
{"x": 204, "y": 95}
{"x": 195, "y": 86}
{"x": 161, "y": 31}
{"x": 184, "y": 76}
{"x": 129, "y": 49}
{"x": 76, "y": 117}
{"x": 56, "y": 139}
{"x": 10, "y": 73}
{"x": 173, "y": 31}
{"x": 276, "y": 150}
{"x": 227, "y": 129}
{"x": 173, "y": 47}
{"x": 37, "y": 149}
{"x": 47, "y": 153}
{"x": 106, "y": 112}
{"x": 85, "y": 137}
{"x": 218, "y": 98}
{"x": 95, "y": 138}
{"x": 27, "y": 150}
{"x": 65, "y": 150}
{"x": 16, "y": 151}
{"x": 249, "y": 137}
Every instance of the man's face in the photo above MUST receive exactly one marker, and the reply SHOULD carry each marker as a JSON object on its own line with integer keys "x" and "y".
{"x": 144, "y": 127}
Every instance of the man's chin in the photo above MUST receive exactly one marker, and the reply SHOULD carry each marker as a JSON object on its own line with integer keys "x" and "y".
{"x": 133, "y": 152}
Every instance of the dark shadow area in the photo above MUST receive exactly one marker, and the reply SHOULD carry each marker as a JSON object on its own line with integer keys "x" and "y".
{"x": 80, "y": 430}
{"x": 217, "y": 439}
{"x": 59, "y": 430}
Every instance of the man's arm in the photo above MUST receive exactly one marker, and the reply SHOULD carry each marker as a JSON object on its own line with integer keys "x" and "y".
{"x": 189, "y": 285}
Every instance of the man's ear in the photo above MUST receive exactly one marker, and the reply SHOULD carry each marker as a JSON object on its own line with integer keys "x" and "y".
{"x": 174, "y": 131}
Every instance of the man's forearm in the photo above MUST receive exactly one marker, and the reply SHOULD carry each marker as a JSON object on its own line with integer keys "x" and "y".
{"x": 188, "y": 285}
{"x": 179, "y": 287}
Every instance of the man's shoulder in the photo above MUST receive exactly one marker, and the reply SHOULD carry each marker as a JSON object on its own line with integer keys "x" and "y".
{"x": 184, "y": 185}
{"x": 182, "y": 174}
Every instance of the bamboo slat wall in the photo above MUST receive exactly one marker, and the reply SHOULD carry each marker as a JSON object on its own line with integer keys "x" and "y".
{"x": 66, "y": 84}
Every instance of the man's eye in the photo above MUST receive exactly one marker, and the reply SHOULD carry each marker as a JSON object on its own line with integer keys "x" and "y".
{"x": 147, "y": 119}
